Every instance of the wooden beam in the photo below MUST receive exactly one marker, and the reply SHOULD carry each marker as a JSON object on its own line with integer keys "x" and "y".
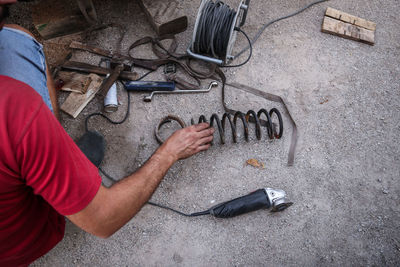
{"x": 88, "y": 10}
{"x": 347, "y": 30}
{"x": 165, "y": 16}
{"x": 345, "y": 17}
{"x": 54, "y": 18}
{"x": 74, "y": 82}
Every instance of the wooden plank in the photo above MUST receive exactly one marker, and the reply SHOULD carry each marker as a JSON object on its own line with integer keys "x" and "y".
{"x": 345, "y": 17}
{"x": 165, "y": 16}
{"x": 54, "y": 18}
{"x": 76, "y": 102}
{"x": 88, "y": 10}
{"x": 74, "y": 82}
{"x": 347, "y": 30}
{"x": 62, "y": 27}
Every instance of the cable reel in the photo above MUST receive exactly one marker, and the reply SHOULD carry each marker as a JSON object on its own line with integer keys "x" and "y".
{"x": 213, "y": 24}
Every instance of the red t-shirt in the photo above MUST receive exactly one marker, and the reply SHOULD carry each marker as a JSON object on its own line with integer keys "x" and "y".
{"x": 43, "y": 175}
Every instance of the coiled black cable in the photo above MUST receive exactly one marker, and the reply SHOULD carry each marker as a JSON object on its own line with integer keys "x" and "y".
{"x": 213, "y": 30}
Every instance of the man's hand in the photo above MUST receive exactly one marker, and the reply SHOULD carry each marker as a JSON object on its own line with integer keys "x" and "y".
{"x": 188, "y": 141}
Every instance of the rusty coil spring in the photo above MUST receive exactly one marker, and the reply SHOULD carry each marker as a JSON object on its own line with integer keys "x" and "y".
{"x": 250, "y": 116}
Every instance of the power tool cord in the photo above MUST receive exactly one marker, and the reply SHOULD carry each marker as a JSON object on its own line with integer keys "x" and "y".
{"x": 250, "y": 52}
{"x": 114, "y": 122}
{"x": 261, "y": 30}
{"x": 195, "y": 214}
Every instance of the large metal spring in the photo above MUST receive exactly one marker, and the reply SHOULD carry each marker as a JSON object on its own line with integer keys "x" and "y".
{"x": 250, "y": 116}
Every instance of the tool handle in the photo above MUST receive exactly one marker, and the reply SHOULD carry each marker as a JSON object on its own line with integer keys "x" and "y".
{"x": 147, "y": 86}
{"x": 251, "y": 202}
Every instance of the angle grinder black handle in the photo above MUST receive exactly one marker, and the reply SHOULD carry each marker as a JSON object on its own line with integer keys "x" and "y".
{"x": 251, "y": 202}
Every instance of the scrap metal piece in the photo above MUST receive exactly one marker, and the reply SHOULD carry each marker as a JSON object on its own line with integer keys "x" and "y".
{"x": 111, "y": 79}
{"x": 163, "y": 121}
{"x": 88, "y": 68}
{"x": 169, "y": 68}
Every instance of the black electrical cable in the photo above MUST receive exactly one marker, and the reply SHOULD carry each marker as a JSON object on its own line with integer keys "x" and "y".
{"x": 250, "y": 53}
{"x": 107, "y": 118}
{"x": 206, "y": 212}
{"x": 261, "y": 30}
{"x": 213, "y": 29}
{"x": 114, "y": 122}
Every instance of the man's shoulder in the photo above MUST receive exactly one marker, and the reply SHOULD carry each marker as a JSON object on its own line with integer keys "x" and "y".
{"x": 12, "y": 88}
{"x": 19, "y": 105}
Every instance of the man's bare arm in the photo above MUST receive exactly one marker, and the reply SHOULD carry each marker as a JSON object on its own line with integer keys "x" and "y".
{"x": 112, "y": 207}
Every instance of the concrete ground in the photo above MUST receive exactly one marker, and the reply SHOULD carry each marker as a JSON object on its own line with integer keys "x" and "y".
{"x": 345, "y": 99}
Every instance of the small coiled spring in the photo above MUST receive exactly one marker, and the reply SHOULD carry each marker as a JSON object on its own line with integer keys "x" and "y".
{"x": 250, "y": 116}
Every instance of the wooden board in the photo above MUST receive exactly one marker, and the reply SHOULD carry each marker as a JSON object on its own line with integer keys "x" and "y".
{"x": 345, "y": 17}
{"x": 165, "y": 16}
{"x": 347, "y": 30}
{"x": 74, "y": 82}
{"x": 76, "y": 102}
{"x": 54, "y": 18}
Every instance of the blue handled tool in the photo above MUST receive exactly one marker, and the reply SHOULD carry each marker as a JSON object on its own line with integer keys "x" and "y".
{"x": 148, "y": 86}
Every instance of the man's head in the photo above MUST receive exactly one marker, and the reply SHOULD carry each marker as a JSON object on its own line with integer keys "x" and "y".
{"x": 4, "y": 10}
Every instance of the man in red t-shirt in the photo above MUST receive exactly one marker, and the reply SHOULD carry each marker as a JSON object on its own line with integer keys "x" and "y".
{"x": 43, "y": 174}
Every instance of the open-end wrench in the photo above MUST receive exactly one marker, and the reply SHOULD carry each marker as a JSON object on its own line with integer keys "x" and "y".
{"x": 149, "y": 97}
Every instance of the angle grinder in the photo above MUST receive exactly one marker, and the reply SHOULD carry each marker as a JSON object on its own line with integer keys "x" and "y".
{"x": 266, "y": 198}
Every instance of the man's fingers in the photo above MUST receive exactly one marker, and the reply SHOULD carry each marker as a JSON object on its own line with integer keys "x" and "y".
{"x": 206, "y": 132}
{"x": 205, "y": 140}
{"x": 201, "y": 126}
{"x": 202, "y": 148}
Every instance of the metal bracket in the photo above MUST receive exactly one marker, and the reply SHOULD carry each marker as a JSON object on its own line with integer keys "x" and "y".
{"x": 169, "y": 68}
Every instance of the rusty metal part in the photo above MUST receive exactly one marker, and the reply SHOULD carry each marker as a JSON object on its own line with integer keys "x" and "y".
{"x": 165, "y": 120}
{"x": 144, "y": 63}
{"x": 88, "y": 68}
{"x": 244, "y": 118}
{"x": 270, "y": 97}
{"x": 150, "y": 96}
{"x": 110, "y": 80}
